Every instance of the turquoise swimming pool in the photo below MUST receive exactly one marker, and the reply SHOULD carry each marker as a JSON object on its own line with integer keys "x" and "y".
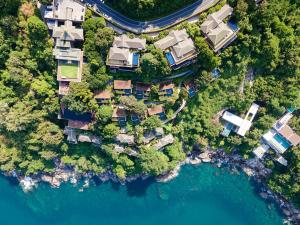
{"x": 170, "y": 58}
{"x": 283, "y": 142}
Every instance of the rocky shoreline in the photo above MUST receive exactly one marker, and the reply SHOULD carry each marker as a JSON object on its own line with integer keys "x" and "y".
{"x": 252, "y": 167}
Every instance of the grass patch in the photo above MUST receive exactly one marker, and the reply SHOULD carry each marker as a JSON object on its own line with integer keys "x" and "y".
{"x": 69, "y": 70}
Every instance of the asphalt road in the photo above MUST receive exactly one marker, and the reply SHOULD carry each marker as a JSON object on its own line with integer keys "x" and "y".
{"x": 138, "y": 26}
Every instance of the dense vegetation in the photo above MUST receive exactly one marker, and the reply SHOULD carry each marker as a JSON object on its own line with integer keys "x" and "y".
{"x": 147, "y": 9}
{"x": 31, "y": 136}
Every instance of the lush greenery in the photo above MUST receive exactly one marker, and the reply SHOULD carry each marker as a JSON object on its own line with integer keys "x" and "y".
{"x": 262, "y": 65}
{"x": 147, "y": 9}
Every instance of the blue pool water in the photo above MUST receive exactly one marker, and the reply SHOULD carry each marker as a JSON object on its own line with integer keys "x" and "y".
{"x": 284, "y": 143}
{"x": 201, "y": 195}
{"x": 191, "y": 92}
{"x": 227, "y": 129}
{"x": 169, "y": 92}
{"x": 170, "y": 58}
{"x": 233, "y": 26}
{"x": 135, "y": 59}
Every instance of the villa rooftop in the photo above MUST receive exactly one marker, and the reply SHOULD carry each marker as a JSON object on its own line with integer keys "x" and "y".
{"x": 72, "y": 10}
{"x": 288, "y": 133}
{"x": 68, "y": 32}
{"x": 124, "y": 41}
{"x": 119, "y": 112}
{"x": 179, "y": 48}
{"x": 102, "y": 94}
{"x": 218, "y": 33}
{"x": 125, "y": 139}
{"x": 281, "y": 136}
{"x": 238, "y": 124}
{"x": 166, "y": 86}
{"x": 172, "y": 39}
{"x": 118, "y": 54}
{"x": 155, "y": 110}
{"x": 122, "y": 84}
{"x": 81, "y": 125}
{"x": 143, "y": 86}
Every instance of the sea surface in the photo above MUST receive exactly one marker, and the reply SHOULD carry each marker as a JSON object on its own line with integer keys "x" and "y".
{"x": 202, "y": 195}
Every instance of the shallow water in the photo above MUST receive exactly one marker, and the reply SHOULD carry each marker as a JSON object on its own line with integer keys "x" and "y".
{"x": 199, "y": 195}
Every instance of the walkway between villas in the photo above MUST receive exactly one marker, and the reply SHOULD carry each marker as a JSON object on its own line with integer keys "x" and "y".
{"x": 183, "y": 104}
{"x": 185, "y": 73}
{"x": 139, "y": 27}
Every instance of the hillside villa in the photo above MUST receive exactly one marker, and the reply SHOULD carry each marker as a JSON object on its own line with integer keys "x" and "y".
{"x": 142, "y": 90}
{"x": 119, "y": 115}
{"x": 166, "y": 89}
{"x": 124, "y": 54}
{"x": 279, "y": 138}
{"x": 237, "y": 124}
{"x": 219, "y": 34}
{"x": 123, "y": 87}
{"x": 62, "y": 10}
{"x": 103, "y": 96}
{"x": 178, "y": 47}
{"x": 157, "y": 110}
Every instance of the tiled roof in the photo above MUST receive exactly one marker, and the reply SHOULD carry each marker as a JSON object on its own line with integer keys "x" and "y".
{"x": 122, "y": 84}
{"x": 99, "y": 94}
{"x": 119, "y": 54}
{"x": 118, "y": 112}
{"x": 155, "y": 110}
{"x": 124, "y": 41}
{"x": 75, "y": 124}
{"x": 288, "y": 133}
{"x": 165, "y": 86}
{"x": 172, "y": 39}
{"x": 143, "y": 87}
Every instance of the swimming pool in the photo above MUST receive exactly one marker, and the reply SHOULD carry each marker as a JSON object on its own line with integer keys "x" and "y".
{"x": 284, "y": 143}
{"x": 170, "y": 58}
{"x": 233, "y": 26}
{"x": 135, "y": 59}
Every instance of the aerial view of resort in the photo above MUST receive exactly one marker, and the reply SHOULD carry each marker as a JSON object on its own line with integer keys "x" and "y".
{"x": 148, "y": 112}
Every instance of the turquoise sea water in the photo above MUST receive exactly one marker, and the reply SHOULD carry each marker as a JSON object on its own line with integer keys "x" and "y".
{"x": 201, "y": 195}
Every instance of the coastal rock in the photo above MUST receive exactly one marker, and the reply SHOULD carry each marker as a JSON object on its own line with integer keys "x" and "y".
{"x": 250, "y": 172}
{"x": 205, "y": 157}
{"x": 55, "y": 182}
{"x": 194, "y": 161}
{"x": 27, "y": 184}
{"x": 169, "y": 176}
{"x": 286, "y": 212}
{"x": 47, "y": 179}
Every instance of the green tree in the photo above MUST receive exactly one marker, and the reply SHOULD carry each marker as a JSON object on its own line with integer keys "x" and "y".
{"x": 80, "y": 98}
{"x": 153, "y": 162}
{"x": 110, "y": 131}
{"x": 151, "y": 123}
{"x": 103, "y": 114}
{"x": 131, "y": 104}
